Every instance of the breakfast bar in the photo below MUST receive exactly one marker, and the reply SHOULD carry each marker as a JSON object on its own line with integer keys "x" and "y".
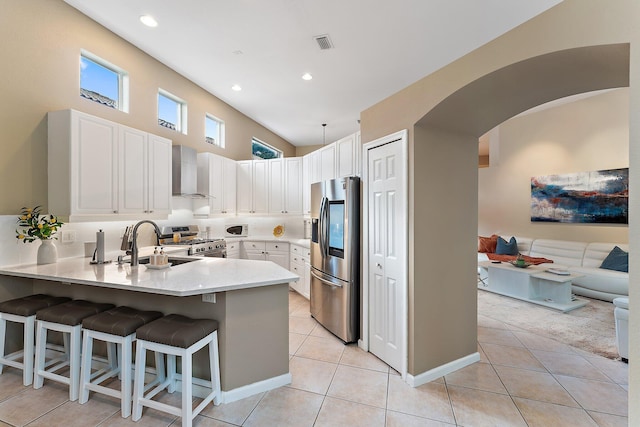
{"x": 248, "y": 298}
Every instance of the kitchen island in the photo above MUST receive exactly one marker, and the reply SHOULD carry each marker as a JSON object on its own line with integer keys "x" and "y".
{"x": 248, "y": 298}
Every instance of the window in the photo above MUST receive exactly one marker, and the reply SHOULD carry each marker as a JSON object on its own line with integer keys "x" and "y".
{"x": 262, "y": 150}
{"x": 103, "y": 82}
{"x": 214, "y": 131}
{"x": 172, "y": 112}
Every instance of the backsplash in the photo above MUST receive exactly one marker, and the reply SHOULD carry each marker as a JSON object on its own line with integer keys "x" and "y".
{"x": 13, "y": 251}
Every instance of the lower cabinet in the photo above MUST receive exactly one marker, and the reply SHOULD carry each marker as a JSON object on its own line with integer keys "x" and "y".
{"x": 299, "y": 264}
{"x": 277, "y": 252}
{"x": 233, "y": 250}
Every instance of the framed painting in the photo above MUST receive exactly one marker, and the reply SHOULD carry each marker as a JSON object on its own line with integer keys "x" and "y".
{"x": 599, "y": 197}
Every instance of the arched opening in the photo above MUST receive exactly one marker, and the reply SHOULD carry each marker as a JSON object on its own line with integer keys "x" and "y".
{"x": 445, "y": 162}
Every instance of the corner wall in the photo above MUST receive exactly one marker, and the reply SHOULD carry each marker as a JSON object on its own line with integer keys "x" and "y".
{"x": 40, "y": 50}
{"x": 585, "y": 135}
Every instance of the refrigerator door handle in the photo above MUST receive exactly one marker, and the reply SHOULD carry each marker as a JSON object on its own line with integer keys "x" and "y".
{"x": 323, "y": 226}
{"x": 325, "y": 281}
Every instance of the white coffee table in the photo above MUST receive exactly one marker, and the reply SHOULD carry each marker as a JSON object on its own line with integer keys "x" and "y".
{"x": 533, "y": 284}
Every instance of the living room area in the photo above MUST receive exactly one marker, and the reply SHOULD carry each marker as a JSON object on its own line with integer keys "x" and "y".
{"x": 586, "y": 133}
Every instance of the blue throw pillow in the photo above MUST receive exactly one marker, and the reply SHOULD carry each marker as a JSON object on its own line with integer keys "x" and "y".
{"x": 617, "y": 260}
{"x": 507, "y": 248}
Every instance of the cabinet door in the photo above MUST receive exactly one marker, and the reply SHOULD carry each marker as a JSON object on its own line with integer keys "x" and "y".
{"x": 293, "y": 186}
{"x": 256, "y": 256}
{"x": 134, "y": 175}
{"x": 94, "y": 167}
{"x": 159, "y": 166}
{"x": 260, "y": 186}
{"x": 229, "y": 186}
{"x": 276, "y": 186}
{"x": 280, "y": 258}
{"x": 315, "y": 167}
{"x": 244, "y": 195}
{"x": 328, "y": 162}
{"x": 216, "y": 184}
{"x": 306, "y": 185}
{"x": 346, "y": 156}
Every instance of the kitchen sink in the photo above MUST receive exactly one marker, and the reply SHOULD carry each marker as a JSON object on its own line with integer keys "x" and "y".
{"x": 172, "y": 260}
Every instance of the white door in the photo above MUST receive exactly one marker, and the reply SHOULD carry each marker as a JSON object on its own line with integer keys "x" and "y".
{"x": 229, "y": 190}
{"x": 244, "y": 195}
{"x": 159, "y": 163}
{"x": 293, "y": 185}
{"x": 276, "y": 186}
{"x": 346, "y": 156}
{"x": 133, "y": 171}
{"x": 260, "y": 186}
{"x": 387, "y": 262}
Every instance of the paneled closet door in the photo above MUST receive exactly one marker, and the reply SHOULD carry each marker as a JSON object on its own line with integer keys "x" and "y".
{"x": 387, "y": 254}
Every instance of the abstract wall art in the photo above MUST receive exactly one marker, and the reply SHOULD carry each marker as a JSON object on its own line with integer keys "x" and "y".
{"x": 599, "y": 197}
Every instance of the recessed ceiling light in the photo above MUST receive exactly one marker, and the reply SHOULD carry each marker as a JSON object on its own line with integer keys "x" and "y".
{"x": 307, "y": 76}
{"x": 149, "y": 21}
{"x": 237, "y": 88}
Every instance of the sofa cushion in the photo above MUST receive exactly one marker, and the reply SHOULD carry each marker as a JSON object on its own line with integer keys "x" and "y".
{"x": 621, "y": 302}
{"x": 562, "y": 252}
{"x": 602, "y": 280}
{"x": 617, "y": 260}
{"x": 507, "y": 248}
{"x": 487, "y": 244}
{"x": 597, "y": 252}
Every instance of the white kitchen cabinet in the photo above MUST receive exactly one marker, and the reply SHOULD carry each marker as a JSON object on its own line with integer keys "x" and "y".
{"x": 217, "y": 179}
{"x": 101, "y": 170}
{"x": 299, "y": 264}
{"x": 277, "y": 252}
{"x": 306, "y": 186}
{"x": 328, "y": 162}
{"x": 252, "y": 187}
{"x": 285, "y": 186}
{"x": 233, "y": 249}
{"x": 315, "y": 167}
{"x": 348, "y": 156}
{"x": 144, "y": 173}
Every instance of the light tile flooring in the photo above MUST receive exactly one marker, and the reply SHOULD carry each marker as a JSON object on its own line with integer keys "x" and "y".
{"x": 521, "y": 380}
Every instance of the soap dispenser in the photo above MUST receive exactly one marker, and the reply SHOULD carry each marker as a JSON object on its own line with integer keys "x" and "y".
{"x": 154, "y": 258}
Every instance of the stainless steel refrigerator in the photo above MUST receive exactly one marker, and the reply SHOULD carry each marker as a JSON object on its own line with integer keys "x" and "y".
{"x": 335, "y": 256}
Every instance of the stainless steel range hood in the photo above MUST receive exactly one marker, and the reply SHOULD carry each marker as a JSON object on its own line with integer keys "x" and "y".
{"x": 185, "y": 172}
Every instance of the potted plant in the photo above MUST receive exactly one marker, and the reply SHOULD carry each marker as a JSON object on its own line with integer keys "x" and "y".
{"x": 36, "y": 226}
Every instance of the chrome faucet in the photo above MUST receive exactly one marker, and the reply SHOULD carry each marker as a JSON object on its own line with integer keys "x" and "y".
{"x": 134, "y": 240}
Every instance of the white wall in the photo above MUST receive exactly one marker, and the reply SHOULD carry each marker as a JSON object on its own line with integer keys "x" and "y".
{"x": 586, "y": 135}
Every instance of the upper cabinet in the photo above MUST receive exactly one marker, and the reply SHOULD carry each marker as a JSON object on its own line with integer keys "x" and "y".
{"x": 217, "y": 180}
{"x": 144, "y": 186}
{"x": 336, "y": 160}
{"x": 252, "y": 187}
{"x": 285, "y": 186}
{"x": 100, "y": 170}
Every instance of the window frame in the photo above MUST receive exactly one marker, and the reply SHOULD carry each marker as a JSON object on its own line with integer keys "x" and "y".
{"x": 255, "y": 140}
{"x": 221, "y": 131}
{"x": 122, "y": 103}
{"x": 181, "y": 104}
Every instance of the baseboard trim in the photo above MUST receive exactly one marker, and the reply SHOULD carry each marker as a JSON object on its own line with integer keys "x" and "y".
{"x": 440, "y": 371}
{"x": 255, "y": 388}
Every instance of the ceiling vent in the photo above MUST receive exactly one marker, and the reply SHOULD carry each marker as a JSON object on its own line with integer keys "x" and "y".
{"x": 324, "y": 42}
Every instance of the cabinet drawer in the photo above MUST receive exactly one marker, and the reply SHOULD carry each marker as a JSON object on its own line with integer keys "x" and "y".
{"x": 233, "y": 246}
{"x": 277, "y": 246}
{"x": 296, "y": 259}
{"x": 250, "y": 245}
{"x": 301, "y": 251}
{"x": 297, "y": 269}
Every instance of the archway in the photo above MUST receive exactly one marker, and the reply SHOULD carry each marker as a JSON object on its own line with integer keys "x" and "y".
{"x": 445, "y": 169}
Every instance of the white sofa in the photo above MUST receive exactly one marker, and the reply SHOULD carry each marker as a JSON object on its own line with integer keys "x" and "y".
{"x": 621, "y": 313}
{"x": 580, "y": 258}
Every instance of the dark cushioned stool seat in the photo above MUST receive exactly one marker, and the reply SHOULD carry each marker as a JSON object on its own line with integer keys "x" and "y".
{"x": 176, "y": 330}
{"x": 72, "y": 312}
{"x": 121, "y": 321}
{"x": 28, "y": 306}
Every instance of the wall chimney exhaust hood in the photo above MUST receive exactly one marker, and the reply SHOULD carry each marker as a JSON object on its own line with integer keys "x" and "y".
{"x": 185, "y": 172}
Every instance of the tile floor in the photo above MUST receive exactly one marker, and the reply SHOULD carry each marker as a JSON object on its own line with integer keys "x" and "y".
{"x": 521, "y": 380}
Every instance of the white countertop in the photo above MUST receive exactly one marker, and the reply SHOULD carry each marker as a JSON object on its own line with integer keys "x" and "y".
{"x": 206, "y": 275}
{"x": 300, "y": 242}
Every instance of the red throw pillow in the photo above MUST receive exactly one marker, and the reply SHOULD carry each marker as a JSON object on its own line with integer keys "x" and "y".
{"x": 487, "y": 244}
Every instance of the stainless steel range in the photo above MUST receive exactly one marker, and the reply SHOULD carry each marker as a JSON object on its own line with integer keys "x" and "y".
{"x": 187, "y": 235}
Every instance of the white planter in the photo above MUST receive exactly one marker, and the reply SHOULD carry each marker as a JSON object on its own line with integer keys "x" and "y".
{"x": 47, "y": 252}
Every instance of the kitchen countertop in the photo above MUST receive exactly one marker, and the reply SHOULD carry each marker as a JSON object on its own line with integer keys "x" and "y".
{"x": 206, "y": 275}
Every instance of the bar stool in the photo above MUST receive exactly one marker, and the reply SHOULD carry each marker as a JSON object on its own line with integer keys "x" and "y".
{"x": 176, "y": 335}
{"x": 66, "y": 318}
{"x": 23, "y": 310}
{"x": 115, "y": 327}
